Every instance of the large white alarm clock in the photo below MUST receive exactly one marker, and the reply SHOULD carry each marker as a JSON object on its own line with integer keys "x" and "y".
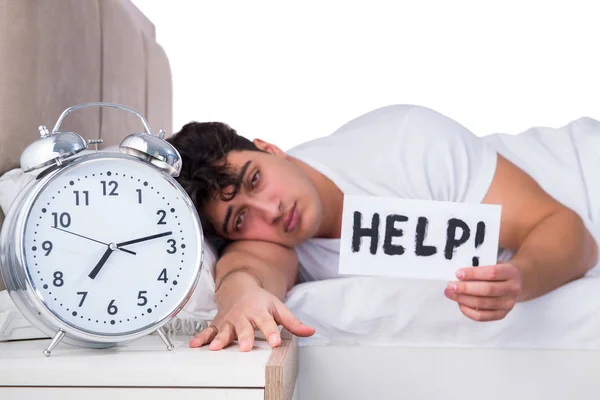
{"x": 101, "y": 249}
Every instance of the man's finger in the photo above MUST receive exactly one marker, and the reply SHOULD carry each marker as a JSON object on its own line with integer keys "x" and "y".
{"x": 245, "y": 334}
{"x": 267, "y": 325}
{"x": 483, "y": 303}
{"x": 284, "y": 316}
{"x": 204, "y": 336}
{"x": 225, "y": 336}
{"x": 482, "y": 288}
{"x": 500, "y": 272}
{"x": 482, "y": 315}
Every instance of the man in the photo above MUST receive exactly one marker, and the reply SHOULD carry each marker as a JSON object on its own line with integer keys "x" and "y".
{"x": 276, "y": 216}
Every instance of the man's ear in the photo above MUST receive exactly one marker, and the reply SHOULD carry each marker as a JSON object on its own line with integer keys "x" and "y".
{"x": 269, "y": 148}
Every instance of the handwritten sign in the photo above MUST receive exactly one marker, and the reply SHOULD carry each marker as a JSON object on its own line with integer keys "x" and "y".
{"x": 416, "y": 238}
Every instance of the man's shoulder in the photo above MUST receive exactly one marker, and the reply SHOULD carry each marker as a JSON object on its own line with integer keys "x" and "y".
{"x": 378, "y": 117}
{"x": 258, "y": 248}
{"x": 375, "y": 124}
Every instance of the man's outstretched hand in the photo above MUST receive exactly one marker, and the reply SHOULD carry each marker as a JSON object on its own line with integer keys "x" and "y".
{"x": 258, "y": 309}
{"x": 486, "y": 293}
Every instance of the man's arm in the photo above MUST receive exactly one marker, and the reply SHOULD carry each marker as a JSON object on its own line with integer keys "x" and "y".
{"x": 273, "y": 267}
{"x": 251, "y": 283}
{"x": 551, "y": 244}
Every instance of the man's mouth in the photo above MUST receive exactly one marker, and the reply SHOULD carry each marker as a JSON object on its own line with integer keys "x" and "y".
{"x": 292, "y": 219}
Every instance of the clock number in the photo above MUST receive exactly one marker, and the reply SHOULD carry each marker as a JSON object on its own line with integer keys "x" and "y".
{"x": 173, "y": 249}
{"x": 163, "y": 215}
{"x": 86, "y": 196}
{"x": 139, "y": 192}
{"x": 114, "y": 185}
{"x": 84, "y": 295}
{"x": 64, "y": 219}
{"x": 142, "y": 297}
{"x": 58, "y": 279}
{"x": 47, "y": 245}
{"x": 112, "y": 309}
{"x": 163, "y": 276}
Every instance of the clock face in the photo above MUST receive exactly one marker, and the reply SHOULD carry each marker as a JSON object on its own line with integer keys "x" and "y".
{"x": 111, "y": 246}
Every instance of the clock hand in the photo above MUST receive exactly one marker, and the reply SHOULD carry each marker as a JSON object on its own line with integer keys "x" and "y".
{"x": 98, "y": 267}
{"x": 93, "y": 240}
{"x": 144, "y": 239}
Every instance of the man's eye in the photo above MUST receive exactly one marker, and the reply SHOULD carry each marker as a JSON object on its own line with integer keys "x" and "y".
{"x": 255, "y": 178}
{"x": 239, "y": 221}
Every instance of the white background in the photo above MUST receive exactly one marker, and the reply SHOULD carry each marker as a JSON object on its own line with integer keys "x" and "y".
{"x": 288, "y": 72}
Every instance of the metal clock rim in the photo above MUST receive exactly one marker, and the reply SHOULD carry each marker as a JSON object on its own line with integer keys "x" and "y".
{"x": 74, "y": 334}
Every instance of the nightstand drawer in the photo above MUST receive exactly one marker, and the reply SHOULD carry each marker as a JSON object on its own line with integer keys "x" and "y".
{"x": 146, "y": 368}
{"x": 96, "y": 393}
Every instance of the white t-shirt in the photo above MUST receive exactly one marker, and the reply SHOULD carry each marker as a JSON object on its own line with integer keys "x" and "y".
{"x": 414, "y": 152}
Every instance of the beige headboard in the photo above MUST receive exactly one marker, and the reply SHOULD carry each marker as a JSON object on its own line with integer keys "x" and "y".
{"x": 59, "y": 53}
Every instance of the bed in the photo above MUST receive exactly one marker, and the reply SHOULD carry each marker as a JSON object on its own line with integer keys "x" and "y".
{"x": 377, "y": 338}
{"x": 56, "y": 54}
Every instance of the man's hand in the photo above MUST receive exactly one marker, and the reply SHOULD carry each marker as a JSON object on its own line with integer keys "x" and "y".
{"x": 486, "y": 293}
{"x": 258, "y": 309}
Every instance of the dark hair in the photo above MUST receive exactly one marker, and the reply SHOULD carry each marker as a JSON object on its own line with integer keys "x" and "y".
{"x": 205, "y": 172}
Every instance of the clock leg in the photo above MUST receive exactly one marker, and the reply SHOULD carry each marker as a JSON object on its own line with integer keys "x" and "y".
{"x": 55, "y": 341}
{"x": 165, "y": 339}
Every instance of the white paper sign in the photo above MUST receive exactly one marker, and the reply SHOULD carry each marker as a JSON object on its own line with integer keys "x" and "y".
{"x": 416, "y": 238}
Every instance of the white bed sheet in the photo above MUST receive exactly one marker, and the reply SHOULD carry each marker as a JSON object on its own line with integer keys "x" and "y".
{"x": 374, "y": 311}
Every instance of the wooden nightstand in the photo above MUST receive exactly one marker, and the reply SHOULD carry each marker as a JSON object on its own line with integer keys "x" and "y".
{"x": 145, "y": 369}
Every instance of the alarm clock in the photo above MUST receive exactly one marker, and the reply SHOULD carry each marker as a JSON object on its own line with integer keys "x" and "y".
{"x": 101, "y": 248}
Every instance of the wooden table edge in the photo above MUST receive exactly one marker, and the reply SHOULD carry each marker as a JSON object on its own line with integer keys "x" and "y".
{"x": 282, "y": 368}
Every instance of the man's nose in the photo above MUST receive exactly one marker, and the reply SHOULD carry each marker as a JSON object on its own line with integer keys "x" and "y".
{"x": 270, "y": 209}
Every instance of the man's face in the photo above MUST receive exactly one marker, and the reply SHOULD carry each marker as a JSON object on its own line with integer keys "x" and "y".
{"x": 276, "y": 202}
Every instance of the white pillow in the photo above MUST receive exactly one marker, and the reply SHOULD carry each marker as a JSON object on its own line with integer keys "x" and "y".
{"x": 11, "y": 183}
{"x": 202, "y": 303}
